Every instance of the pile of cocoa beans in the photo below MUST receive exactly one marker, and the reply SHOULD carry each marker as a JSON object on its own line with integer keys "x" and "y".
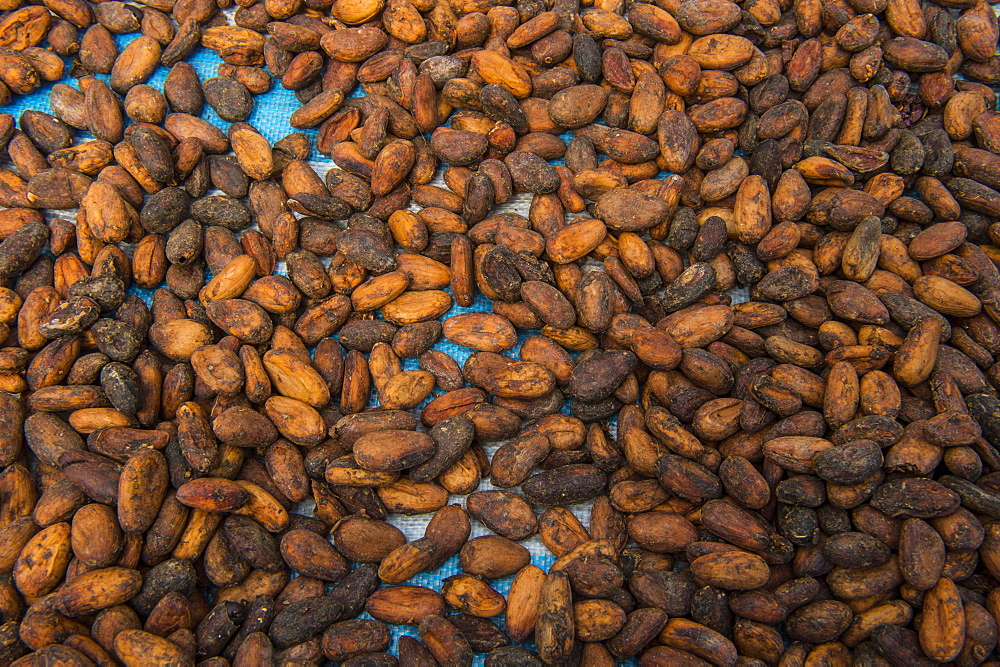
{"x": 805, "y": 475}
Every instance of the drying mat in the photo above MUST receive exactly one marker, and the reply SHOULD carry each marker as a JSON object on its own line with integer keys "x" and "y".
{"x": 270, "y": 116}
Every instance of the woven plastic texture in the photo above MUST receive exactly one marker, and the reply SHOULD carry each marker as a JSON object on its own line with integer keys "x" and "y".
{"x": 270, "y": 116}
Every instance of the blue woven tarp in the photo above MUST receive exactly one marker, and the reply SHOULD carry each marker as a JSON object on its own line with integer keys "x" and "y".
{"x": 270, "y": 116}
